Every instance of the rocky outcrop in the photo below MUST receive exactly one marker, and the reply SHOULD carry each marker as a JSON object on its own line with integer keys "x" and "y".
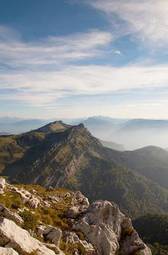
{"x": 132, "y": 244}
{"x": 73, "y": 238}
{"x": 7, "y": 251}
{"x": 15, "y": 237}
{"x": 104, "y": 221}
{"x": 79, "y": 205}
{"x": 67, "y": 224}
{"x": 27, "y": 198}
{"x": 5, "y": 212}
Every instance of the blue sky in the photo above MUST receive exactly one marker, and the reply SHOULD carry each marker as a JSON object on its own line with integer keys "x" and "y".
{"x": 78, "y": 58}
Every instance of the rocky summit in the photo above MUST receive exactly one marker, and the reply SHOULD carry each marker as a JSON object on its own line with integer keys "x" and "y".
{"x": 39, "y": 221}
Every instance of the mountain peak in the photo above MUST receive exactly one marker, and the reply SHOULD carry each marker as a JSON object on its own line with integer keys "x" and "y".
{"x": 56, "y": 126}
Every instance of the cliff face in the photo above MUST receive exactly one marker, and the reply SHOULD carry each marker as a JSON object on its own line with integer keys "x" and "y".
{"x": 34, "y": 220}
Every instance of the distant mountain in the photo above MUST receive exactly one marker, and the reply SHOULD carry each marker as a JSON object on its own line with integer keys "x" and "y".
{"x": 61, "y": 155}
{"x": 133, "y": 133}
{"x": 138, "y": 133}
{"x": 16, "y": 125}
{"x": 4, "y": 133}
{"x": 151, "y": 162}
{"x": 103, "y": 127}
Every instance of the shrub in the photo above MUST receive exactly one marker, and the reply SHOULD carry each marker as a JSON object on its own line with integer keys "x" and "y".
{"x": 30, "y": 220}
{"x": 11, "y": 200}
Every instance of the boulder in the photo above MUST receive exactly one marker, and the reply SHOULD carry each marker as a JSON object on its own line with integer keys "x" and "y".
{"x": 13, "y": 236}
{"x": 6, "y": 213}
{"x": 50, "y": 233}
{"x": 53, "y": 235}
{"x": 105, "y": 227}
{"x": 7, "y": 251}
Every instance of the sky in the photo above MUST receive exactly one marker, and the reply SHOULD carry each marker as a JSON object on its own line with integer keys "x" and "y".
{"x": 79, "y": 58}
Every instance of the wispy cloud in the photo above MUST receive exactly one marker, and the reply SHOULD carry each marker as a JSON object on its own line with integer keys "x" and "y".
{"x": 40, "y": 73}
{"x": 14, "y": 52}
{"x": 82, "y": 80}
{"x": 146, "y": 19}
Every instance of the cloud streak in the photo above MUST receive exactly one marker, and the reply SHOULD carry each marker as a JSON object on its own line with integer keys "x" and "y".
{"x": 146, "y": 19}
{"x": 42, "y": 73}
{"x": 82, "y": 80}
{"x": 15, "y": 53}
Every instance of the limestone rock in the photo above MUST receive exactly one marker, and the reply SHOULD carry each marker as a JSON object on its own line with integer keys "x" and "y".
{"x": 105, "y": 229}
{"x": 27, "y": 198}
{"x": 104, "y": 221}
{"x": 53, "y": 235}
{"x": 54, "y": 199}
{"x": 79, "y": 204}
{"x": 50, "y": 233}
{"x": 40, "y": 230}
{"x": 72, "y": 238}
{"x": 7, "y": 251}
{"x": 15, "y": 237}
{"x": 33, "y": 202}
{"x": 5, "y": 212}
{"x": 131, "y": 244}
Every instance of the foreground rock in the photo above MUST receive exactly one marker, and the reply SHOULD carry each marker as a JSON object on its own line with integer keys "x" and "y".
{"x": 65, "y": 223}
{"x": 110, "y": 231}
{"x": 6, "y": 213}
{"x": 7, "y": 251}
{"x": 19, "y": 239}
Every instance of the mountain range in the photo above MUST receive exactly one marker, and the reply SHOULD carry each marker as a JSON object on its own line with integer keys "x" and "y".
{"x": 62, "y": 155}
{"x": 129, "y": 134}
{"x": 18, "y": 125}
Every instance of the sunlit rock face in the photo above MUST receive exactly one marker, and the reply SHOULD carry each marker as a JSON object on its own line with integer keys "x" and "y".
{"x": 110, "y": 231}
{"x": 73, "y": 224}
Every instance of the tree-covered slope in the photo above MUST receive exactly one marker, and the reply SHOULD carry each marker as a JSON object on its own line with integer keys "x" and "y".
{"x": 151, "y": 162}
{"x": 136, "y": 195}
{"x": 154, "y": 229}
